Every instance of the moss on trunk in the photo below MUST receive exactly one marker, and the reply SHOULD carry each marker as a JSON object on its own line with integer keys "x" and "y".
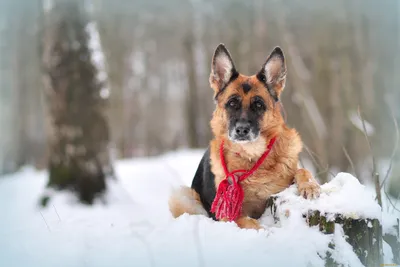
{"x": 87, "y": 184}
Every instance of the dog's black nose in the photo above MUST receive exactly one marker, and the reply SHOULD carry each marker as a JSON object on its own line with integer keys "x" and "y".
{"x": 242, "y": 129}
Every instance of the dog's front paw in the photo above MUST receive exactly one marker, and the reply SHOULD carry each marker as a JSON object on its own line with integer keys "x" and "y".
{"x": 309, "y": 190}
{"x": 248, "y": 223}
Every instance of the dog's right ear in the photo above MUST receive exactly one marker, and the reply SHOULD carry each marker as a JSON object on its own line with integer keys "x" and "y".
{"x": 222, "y": 69}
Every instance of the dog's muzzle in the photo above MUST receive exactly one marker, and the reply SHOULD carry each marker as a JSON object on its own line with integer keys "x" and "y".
{"x": 242, "y": 132}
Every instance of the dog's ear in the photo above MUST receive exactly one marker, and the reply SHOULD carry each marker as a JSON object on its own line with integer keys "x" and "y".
{"x": 222, "y": 69}
{"x": 273, "y": 73}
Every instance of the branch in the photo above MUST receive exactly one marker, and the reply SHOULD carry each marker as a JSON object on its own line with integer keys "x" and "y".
{"x": 375, "y": 175}
{"x": 394, "y": 149}
{"x": 390, "y": 201}
{"x": 395, "y": 203}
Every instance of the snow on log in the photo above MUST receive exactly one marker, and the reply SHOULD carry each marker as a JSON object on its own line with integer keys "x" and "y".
{"x": 345, "y": 210}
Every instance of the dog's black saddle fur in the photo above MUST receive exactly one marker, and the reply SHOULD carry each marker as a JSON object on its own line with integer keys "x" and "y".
{"x": 204, "y": 183}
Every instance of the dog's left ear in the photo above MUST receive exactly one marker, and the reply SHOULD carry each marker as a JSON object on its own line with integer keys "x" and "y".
{"x": 273, "y": 73}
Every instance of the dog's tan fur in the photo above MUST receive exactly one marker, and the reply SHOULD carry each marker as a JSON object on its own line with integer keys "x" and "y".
{"x": 185, "y": 200}
{"x": 279, "y": 170}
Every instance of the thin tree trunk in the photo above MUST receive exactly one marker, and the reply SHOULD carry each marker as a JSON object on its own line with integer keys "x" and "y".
{"x": 191, "y": 101}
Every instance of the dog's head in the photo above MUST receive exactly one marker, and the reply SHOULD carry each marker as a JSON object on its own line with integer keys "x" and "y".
{"x": 246, "y": 104}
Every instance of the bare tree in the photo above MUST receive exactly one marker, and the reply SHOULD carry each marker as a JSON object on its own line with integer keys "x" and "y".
{"x": 78, "y": 132}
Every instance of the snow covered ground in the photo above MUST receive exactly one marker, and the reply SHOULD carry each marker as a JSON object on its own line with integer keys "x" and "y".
{"x": 133, "y": 227}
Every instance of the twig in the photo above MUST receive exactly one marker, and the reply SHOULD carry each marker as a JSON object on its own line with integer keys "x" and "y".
{"x": 319, "y": 165}
{"x": 394, "y": 149}
{"x": 326, "y": 171}
{"x": 48, "y": 228}
{"x": 375, "y": 175}
{"x": 310, "y": 153}
{"x": 349, "y": 159}
{"x": 390, "y": 201}
{"x": 317, "y": 173}
{"x": 395, "y": 203}
{"x": 59, "y": 218}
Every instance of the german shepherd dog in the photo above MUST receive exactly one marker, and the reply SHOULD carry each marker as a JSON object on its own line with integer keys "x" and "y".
{"x": 247, "y": 116}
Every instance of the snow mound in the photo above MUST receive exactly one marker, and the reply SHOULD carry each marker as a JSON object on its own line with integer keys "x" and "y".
{"x": 133, "y": 226}
{"x": 342, "y": 195}
{"x": 390, "y": 223}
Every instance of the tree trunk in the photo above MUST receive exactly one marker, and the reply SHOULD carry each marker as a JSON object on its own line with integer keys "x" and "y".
{"x": 78, "y": 127}
{"x": 364, "y": 235}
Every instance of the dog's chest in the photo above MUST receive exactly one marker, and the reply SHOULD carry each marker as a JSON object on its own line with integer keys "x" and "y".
{"x": 259, "y": 187}
{"x": 269, "y": 178}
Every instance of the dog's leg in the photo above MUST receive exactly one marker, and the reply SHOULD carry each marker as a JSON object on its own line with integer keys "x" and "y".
{"x": 248, "y": 223}
{"x": 308, "y": 187}
{"x": 185, "y": 200}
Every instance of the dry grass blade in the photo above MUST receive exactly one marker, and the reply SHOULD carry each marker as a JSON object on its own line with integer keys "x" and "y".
{"x": 314, "y": 158}
{"x": 349, "y": 159}
{"x": 59, "y": 218}
{"x": 48, "y": 227}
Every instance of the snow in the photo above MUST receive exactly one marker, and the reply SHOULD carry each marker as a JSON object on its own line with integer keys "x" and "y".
{"x": 132, "y": 226}
{"x": 47, "y": 5}
{"x": 357, "y": 122}
{"x": 104, "y": 92}
{"x": 390, "y": 223}
{"x": 343, "y": 249}
{"x": 387, "y": 253}
{"x": 343, "y": 194}
{"x": 97, "y": 57}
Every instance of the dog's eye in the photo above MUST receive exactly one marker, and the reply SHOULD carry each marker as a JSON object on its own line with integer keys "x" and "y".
{"x": 258, "y": 105}
{"x": 233, "y": 103}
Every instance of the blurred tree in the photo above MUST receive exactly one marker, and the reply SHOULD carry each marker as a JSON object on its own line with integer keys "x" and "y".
{"x": 9, "y": 145}
{"x": 191, "y": 100}
{"x": 341, "y": 55}
{"x": 21, "y": 111}
{"x": 79, "y": 131}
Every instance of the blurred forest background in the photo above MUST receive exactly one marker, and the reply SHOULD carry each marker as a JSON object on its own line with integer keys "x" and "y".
{"x": 341, "y": 55}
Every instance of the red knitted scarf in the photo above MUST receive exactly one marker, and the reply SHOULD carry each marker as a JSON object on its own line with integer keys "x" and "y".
{"x": 228, "y": 200}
